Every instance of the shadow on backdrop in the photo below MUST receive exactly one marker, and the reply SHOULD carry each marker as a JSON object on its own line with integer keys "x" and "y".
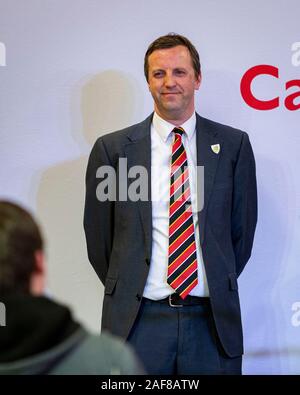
{"x": 105, "y": 102}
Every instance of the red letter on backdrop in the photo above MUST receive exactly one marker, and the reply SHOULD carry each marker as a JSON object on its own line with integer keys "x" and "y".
{"x": 246, "y": 92}
{"x": 289, "y": 101}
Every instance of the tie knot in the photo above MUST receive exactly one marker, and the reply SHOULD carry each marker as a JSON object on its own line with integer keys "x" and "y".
{"x": 179, "y": 131}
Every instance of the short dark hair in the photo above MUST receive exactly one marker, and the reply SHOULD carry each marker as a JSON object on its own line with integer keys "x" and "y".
{"x": 20, "y": 238}
{"x": 169, "y": 41}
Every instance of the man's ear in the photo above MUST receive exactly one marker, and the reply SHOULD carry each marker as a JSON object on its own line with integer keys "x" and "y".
{"x": 38, "y": 276}
{"x": 198, "y": 82}
{"x": 39, "y": 262}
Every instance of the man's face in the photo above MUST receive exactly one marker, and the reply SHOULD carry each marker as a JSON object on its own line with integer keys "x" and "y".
{"x": 172, "y": 83}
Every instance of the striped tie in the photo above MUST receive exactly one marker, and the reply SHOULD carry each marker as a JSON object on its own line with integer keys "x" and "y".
{"x": 182, "y": 265}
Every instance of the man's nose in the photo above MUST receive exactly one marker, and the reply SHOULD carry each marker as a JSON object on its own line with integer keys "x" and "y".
{"x": 169, "y": 80}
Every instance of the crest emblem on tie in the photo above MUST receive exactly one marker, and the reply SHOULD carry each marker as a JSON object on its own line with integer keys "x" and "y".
{"x": 215, "y": 148}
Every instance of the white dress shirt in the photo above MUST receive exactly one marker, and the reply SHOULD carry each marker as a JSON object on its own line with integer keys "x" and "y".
{"x": 161, "y": 153}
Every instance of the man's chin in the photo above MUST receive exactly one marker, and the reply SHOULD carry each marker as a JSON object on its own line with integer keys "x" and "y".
{"x": 170, "y": 112}
{"x": 172, "y": 106}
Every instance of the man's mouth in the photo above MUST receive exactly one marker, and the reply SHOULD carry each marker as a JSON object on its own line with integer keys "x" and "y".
{"x": 170, "y": 93}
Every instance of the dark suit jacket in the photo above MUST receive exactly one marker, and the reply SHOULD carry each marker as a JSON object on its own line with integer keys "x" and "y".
{"x": 119, "y": 233}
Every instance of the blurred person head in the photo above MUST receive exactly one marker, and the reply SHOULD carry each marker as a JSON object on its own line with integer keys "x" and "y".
{"x": 40, "y": 335}
{"x": 22, "y": 267}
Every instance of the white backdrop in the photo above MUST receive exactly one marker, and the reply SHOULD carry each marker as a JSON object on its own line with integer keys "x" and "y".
{"x": 71, "y": 70}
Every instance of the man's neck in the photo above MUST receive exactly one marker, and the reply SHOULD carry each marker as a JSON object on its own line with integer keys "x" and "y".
{"x": 173, "y": 120}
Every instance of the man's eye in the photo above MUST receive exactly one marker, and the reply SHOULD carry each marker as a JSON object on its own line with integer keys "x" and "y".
{"x": 158, "y": 74}
{"x": 180, "y": 72}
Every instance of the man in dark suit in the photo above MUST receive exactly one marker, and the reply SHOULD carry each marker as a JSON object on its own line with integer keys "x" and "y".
{"x": 169, "y": 265}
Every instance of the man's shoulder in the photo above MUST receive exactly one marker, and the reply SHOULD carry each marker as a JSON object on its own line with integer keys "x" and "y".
{"x": 122, "y": 135}
{"x": 216, "y": 128}
{"x": 104, "y": 354}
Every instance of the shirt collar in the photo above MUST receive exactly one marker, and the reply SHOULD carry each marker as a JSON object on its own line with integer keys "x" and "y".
{"x": 164, "y": 128}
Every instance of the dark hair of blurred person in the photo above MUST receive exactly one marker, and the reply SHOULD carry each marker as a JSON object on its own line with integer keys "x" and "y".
{"x": 40, "y": 335}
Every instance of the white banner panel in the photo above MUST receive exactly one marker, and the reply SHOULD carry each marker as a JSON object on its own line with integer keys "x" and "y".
{"x": 72, "y": 70}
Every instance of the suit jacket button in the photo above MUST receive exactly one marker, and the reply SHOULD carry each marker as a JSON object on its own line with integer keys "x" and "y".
{"x": 138, "y": 297}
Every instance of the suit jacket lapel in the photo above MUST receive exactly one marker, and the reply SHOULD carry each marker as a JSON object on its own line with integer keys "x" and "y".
{"x": 206, "y": 137}
{"x": 138, "y": 153}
